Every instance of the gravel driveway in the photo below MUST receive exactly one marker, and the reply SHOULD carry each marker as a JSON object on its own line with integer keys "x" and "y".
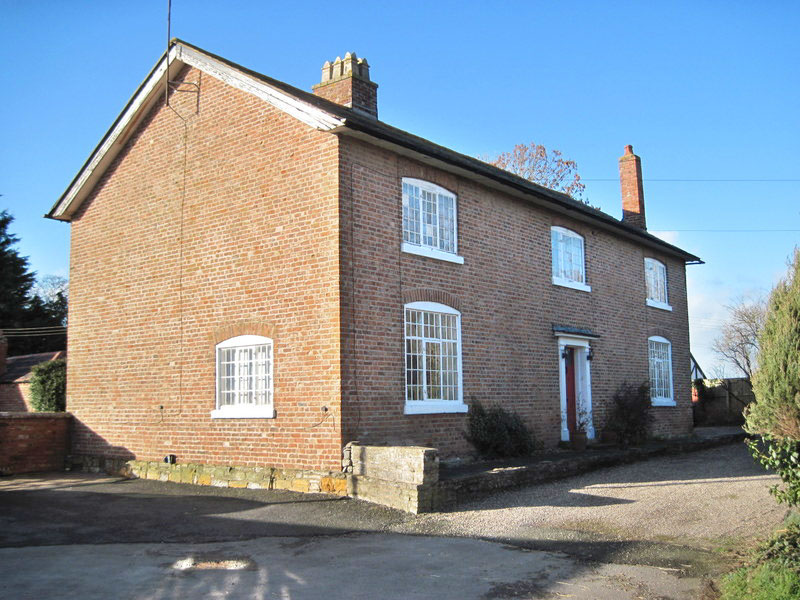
{"x": 663, "y": 511}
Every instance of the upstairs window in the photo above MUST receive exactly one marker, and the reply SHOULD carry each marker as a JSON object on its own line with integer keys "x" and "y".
{"x": 568, "y": 259}
{"x": 429, "y": 220}
{"x": 244, "y": 378}
{"x": 660, "y": 359}
{"x": 655, "y": 274}
{"x": 433, "y": 359}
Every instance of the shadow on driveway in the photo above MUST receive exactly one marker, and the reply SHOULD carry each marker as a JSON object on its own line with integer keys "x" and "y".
{"x": 133, "y": 511}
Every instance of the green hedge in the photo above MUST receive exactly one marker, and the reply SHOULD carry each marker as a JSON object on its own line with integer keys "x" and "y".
{"x": 49, "y": 386}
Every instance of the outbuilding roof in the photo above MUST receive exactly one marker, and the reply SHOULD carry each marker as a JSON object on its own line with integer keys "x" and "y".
{"x": 18, "y": 368}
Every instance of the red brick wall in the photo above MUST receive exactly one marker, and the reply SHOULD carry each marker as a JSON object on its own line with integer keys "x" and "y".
{"x": 33, "y": 442}
{"x": 508, "y": 305}
{"x": 159, "y": 276}
{"x": 15, "y": 397}
{"x": 231, "y": 222}
{"x": 352, "y": 92}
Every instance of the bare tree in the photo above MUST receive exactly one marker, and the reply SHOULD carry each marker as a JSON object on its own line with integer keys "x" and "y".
{"x": 550, "y": 169}
{"x": 737, "y": 343}
{"x": 50, "y": 286}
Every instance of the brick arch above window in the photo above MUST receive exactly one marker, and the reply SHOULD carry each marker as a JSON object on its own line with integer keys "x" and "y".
{"x": 659, "y": 332}
{"x": 242, "y": 327}
{"x": 431, "y": 295}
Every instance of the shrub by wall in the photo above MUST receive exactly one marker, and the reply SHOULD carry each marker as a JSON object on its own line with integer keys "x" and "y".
{"x": 49, "y": 386}
{"x": 497, "y": 433}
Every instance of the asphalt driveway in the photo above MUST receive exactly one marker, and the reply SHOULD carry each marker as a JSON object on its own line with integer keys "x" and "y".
{"x": 646, "y": 530}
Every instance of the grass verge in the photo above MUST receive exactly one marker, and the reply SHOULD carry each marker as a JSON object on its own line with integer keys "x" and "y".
{"x": 774, "y": 571}
{"x": 768, "y": 580}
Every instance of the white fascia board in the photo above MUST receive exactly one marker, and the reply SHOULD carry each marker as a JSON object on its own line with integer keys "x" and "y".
{"x": 150, "y": 91}
{"x": 113, "y": 142}
{"x": 308, "y": 114}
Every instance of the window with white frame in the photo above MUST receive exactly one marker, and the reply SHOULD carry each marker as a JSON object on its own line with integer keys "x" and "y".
{"x": 655, "y": 274}
{"x": 568, "y": 259}
{"x": 433, "y": 359}
{"x": 660, "y": 358}
{"x": 429, "y": 220}
{"x": 244, "y": 378}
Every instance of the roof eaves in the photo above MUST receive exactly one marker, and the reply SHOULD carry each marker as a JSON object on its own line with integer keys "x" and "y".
{"x": 402, "y": 138}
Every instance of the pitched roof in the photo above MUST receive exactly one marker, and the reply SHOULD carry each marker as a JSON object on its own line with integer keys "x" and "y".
{"x": 18, "y": 368}
{"x": 325, "y": 115}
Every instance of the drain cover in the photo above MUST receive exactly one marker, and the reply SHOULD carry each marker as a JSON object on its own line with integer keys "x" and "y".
{"x": 212, "y": 563}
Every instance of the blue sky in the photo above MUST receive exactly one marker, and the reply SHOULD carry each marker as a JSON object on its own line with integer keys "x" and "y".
{"x": 707, "y": 93}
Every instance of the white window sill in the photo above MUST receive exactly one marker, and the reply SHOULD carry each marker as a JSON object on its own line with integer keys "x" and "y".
{"x": 657, "y": 304}
{"x": 244, "y": 412}
{"x": 422, "y": 407}
{"x": 432, "y": 253}
{"x": 662, "y": 402}
{"x": 568, "y": 283}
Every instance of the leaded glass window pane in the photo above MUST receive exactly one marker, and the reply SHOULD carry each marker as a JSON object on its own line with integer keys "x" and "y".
{"x": 660, "y": 355}
{"x": 245, "y": 375}
{"x": 429, "y": 217}
{"x": 432, "y": 352}
{"x": 568, "y": 256}
{"x": 656, "y": 279}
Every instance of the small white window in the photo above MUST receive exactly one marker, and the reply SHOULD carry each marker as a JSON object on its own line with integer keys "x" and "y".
{"x": 429, "y": 221}
{"x": 244, "y": 378}
{"x": 660, "y": 358}
{"x": 568, "y": 259}
{"x": 433, "y": 359}
{"x": 655, "y": 274}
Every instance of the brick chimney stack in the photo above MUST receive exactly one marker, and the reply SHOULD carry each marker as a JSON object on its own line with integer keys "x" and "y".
{"x": 630, "y": 181}
{"x": 346, "y": 82}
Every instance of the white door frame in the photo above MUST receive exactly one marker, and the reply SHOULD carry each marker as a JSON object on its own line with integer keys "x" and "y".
{"x": 583, "y": 381}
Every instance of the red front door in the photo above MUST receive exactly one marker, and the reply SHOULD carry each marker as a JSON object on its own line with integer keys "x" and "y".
{"x": 569, "y": 368}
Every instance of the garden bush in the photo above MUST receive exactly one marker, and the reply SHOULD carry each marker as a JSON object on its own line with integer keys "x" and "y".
{"x": 630, "y": 415}
{"x": 497, "y": 433}
{"x": 49, "y": 386}
{"x": 784, "y": 547}
{"x": 775, "y": 414}
{"x": 781, "y": 455}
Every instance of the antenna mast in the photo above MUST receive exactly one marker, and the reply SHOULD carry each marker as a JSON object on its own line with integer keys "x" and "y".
{"x": 166, "y": 56}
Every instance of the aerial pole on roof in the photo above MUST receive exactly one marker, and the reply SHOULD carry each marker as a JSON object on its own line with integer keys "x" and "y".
{"x": 166, "y": 72}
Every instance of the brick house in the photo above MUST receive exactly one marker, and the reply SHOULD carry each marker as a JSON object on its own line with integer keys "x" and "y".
{"x": 260, "y": 275}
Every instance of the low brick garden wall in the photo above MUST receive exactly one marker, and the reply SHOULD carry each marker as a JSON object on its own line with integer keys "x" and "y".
{"x": 32, "y": 442}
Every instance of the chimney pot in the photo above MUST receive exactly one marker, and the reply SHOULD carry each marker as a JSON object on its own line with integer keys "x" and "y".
{"x": 347, "y": 82}
{"x": 632, "y": 188}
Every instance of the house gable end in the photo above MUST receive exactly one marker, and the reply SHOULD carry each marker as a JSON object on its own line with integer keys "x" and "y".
{"x": 151, "y": 90}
